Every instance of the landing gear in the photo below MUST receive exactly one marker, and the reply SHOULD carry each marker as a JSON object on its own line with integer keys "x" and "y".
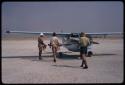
{"x": 90, "y": 53}
{"x": 60, "y": 54}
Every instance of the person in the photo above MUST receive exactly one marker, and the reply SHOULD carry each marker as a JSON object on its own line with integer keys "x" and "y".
{"x": 41, "y": 45}
{"x": 54, "y": 43}
{"x": 84, "y": 42}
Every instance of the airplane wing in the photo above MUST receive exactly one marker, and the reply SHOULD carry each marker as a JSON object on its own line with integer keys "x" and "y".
{"x": 105, "y": 33}
{"x": 64, "y": 34}
{"x": 30, "y": 32}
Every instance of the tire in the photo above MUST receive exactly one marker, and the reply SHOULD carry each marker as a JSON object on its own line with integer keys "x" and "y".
{"x": 60, "y": 54}
{"x": 90, "y": 54}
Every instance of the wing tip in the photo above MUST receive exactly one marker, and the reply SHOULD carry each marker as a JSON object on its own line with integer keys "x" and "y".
{"x": 7, "y": 31}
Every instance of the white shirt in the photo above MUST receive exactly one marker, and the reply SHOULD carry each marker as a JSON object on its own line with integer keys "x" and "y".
{"x": 54, "y": 41}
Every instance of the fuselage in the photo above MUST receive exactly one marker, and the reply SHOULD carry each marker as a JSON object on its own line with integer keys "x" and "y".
{"x": 72, "y": 43}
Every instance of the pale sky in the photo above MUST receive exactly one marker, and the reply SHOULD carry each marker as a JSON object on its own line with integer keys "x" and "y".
{"x": 54, "y": 16}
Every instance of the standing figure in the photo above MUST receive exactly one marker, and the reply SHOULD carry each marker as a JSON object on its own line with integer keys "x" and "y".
{"x": 84, "y": 42}
{"x": 41, "y": 45}
{"x": 54, "y": 43}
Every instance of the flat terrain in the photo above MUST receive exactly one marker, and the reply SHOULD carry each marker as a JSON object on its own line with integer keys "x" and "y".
{"x": 20, "y": 63}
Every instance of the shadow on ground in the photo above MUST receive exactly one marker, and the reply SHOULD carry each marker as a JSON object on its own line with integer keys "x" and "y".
{"x": 64, "y": 56}
{"x": 104, "y": 54}
{"x": 68, "y": 66}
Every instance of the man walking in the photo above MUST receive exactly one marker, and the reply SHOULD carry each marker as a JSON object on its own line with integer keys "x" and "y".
{"x": 84, "y": 42}
{"x": 41, "y": 45}
{"x": 54, "y": 43}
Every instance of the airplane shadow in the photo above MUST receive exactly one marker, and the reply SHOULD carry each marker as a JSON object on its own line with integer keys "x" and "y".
{"x": 44, "y": 57}
{"x": 25, "y": 57}
{"x": 68, "y": 57}
{"x": 64, "y": 56}
{"x": 33, "y": 58}
{"x": 68, "y": 66}
{"x": 104, "y": 54}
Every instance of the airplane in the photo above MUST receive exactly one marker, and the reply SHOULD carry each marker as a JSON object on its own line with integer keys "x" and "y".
{"x": 71, "y": 40}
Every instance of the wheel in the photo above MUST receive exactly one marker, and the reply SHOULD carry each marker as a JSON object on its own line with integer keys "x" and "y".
{"x": 60, "y": 54}
{"x": 90, "y": 54}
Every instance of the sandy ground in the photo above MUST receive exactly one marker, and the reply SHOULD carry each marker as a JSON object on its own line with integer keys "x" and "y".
{"x": 20, "y": 63}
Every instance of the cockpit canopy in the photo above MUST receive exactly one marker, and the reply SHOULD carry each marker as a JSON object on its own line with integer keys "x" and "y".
{"x": 74, "y": 35}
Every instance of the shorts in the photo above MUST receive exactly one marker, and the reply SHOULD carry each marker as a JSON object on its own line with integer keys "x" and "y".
{"x": 83, "y": 50}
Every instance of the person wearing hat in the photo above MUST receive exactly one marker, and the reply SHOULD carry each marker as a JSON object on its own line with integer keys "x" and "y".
{"x": 41, "y": 45}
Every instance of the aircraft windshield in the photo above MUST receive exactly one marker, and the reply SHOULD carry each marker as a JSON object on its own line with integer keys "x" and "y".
{"x": 74, "y": 35}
